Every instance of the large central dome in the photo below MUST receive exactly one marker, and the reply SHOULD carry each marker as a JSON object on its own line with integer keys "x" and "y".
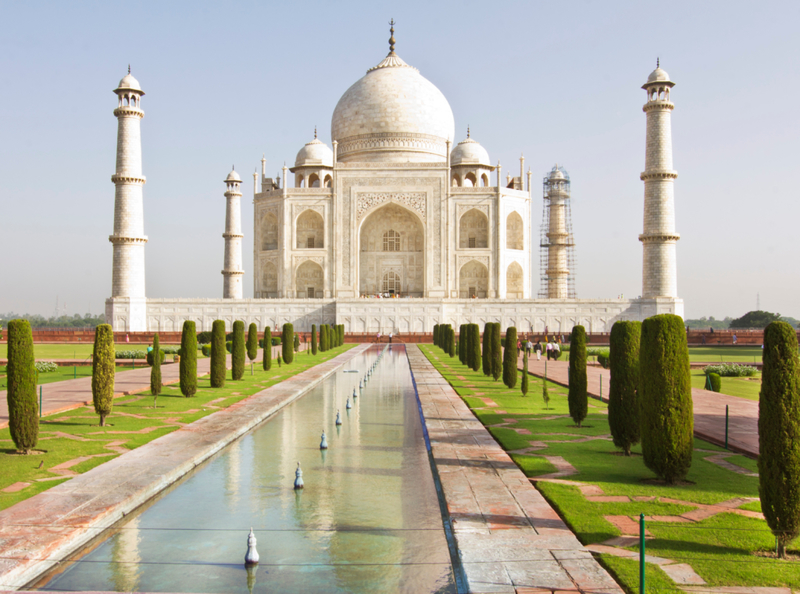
{"x": 392, "y": 114}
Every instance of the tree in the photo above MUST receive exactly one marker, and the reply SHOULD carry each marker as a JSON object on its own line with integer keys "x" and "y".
{"x": 252, "y": 342}
{"x": 23, "y": 409}
{"x": 451, "y": 341}
{"x": 237, "y": 351}
{"x": 510, "y": 358}
{"x": 462, "y": 343}
{"x": 475, "y": 346}
{"x": 287, "y": 341}
{"x": 623, "y": 396}
{"x": 779, "y": 434}
{"x": 155, "y": 371}
{"x": 188, "y": 364}
{"x": 219, "y": 354}
{"x": 103, "y": 368}
{"x": 577, "y": 397}
{"x": 755, "y": 319}
{"x": 436, "y": 335}
{"x": 266, "y": 362}
{"x": 497, "y": 352}
{"x": 313, "y": 339}
{"x": 296, "y": 343}
{"x": 524, "y": 386}
{"x": 341, "y": 334}
{"x": 323, "y": 338}
{"x": 487, "y": 349}
{"x": 665, "y": 395}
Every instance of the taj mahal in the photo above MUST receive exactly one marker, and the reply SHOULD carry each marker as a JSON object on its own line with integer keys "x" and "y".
{"x": 396, "y": 227}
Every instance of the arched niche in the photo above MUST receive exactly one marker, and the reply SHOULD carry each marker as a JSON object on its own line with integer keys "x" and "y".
{"x": 473, "y": 280}
{"x": 470, "y": 181}
{"x": 269, "y": 232}
{"x": 473, "y": 230}
{"x": 514, "y": 278}
{"x": 309, "y": 280}
{"x": 310, "y": 230}
{"x": 313, "y": 181}
{"x": 328, "y": 181}
{"x": 515, "y": 232}
{"x": 392, "y": 239}
{"x": 484, "y": 180}
{"x": 269, "y": 280}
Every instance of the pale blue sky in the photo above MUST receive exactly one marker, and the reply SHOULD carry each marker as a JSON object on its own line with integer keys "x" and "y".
{"x": 557, "y": 81}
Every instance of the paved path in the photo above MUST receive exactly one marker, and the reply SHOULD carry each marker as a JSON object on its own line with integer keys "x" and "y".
{"x": 69, "y": 394}
{"x": 709, "y": 407}
{"x": 509, "y": 538}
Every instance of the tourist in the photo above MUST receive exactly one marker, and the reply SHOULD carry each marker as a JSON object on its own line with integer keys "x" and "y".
{"x": 390, "y": 337}
{"x": 537, "y": 348}
{"x": 734, "y": 339}
{"x": 528, "y": 346}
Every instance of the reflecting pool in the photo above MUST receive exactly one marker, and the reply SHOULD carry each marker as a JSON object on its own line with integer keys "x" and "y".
{"x": 368, "y": 519}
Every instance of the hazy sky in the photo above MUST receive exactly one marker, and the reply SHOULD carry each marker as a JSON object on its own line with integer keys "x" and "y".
{"x": 557, "y": 81}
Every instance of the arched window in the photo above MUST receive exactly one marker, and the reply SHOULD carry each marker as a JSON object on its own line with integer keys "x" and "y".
{"x": 456, "y": 181}
{"x": 313, "y": 181}
{"x": 474, "y": 230}
{"x": 470, "y": 181}
{"x": 515, "y": 234}
{"x": 328, "y": 181}
{"x": 269, "y": 232}
{"x": 391, "y": 283}
{"x": 310, "y": 230}
{"x": 391, "y": 241}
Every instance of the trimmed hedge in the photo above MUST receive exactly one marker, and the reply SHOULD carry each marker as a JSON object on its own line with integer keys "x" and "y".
{"x": 238, "y": 351}
{"x": 206, "y": 350}
{"x": 497, "y": 352}
{"x": 150, "y": 356}
{"x": 155, "y": 370}
{"x": 779, "y": 434}
{"x": 266, "y": 361}
{"x": 287, "y": 342}
{"x": 462, "y": 344}
{"x": 487, "y": 349}
{"x": 623, "y": 396}
{"x": 731, "y": 370}
{"x": 188, "y": 364}
{"x": 252, "y": 341}
{"x": 296, "y": 343}
{"x": 510, "y": 358}
{"x": 204, "y": 337}
{"x": 577, "y": 397}
{"x": 103, "y": 369}
{"x": 23, "y": 405}
{"x": 716, "y": 382}
{"x": 524, "y": 386}
{"x": 218, "y": 354}
{"x": 475, "y": 345}
{"x": 665, "y": 392}
{"x": 313, "y": 339}
{"x": 451, "y": 341}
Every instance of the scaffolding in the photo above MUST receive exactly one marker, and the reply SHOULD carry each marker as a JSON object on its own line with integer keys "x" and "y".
{"x": 556, "y": 243}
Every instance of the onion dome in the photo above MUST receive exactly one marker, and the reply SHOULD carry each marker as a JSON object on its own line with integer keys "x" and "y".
{"x": 233, "y": 177}
{"x": 557, "y": 173}
{"x": 129, "y": 83}
{"x": 469, "y": 152}
{"x": 658, "y": 76}
{"x": 314, "y": 153}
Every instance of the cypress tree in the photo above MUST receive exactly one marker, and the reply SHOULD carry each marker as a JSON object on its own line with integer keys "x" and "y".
{"x": 487, "y": 349}
{"x": 665, "y": 396}
{"x": 451, "y": 341}
{"x": 155, "y": 371}
{"x": 779, "y": 434}
{"x": 510, "y": 358}
{"x": 237, "y": 351}
{"x": 468, "y": 352}
{"x": 313, "y": 339}
{"x": 296, "y": 343}
{"x": 436, "y": 335}
{"x": 462, "y": 343}
{"x": 475, "y": 343}
{"x": 23, "y": 407}
{"x": 623, "y": 397}
{"x": 103, "y": 367}
{"x": 287, "y": 342}
{"x": 524, "y": 386}
{"x": 323, "y": 338}
{"x": 578, "y": 398}
{"x": 497, "y": 356}
{"x": 266, "y": 362}
{"x": 341, "y": 334}
{"x": 252, "y": 342}
{"x": 188, "y": 364}
{"x": 219, "y": 354}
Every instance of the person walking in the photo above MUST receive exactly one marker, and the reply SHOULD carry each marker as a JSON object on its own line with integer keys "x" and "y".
{"x": 537, "y": 348}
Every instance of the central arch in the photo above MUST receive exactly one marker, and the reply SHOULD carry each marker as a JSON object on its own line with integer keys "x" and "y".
{"x": 310, "y": 280}
{"x": 310, "y": 230}
{"x": 473, "y": 280}
{"x": 392, "y": 240}
{"x": 473, "y": 230}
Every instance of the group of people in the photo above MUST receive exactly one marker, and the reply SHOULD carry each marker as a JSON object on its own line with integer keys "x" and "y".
{"x": 551, "y": 348}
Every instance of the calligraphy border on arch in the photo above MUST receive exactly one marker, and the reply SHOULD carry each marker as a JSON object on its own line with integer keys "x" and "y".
{"x": 412, "y": 200}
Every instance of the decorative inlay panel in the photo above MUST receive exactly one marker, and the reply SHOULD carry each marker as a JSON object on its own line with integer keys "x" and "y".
{"x": 413, "y": 200}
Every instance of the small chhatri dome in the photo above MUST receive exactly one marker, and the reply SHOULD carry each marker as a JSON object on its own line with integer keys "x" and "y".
{"x": 557, "y": 173}
{"x": 316, "y": 153}
{"x": 233, "y": 176}
{"x": 469, "y": 152}
{"x": 658, "y": 75}
{"x": 129, "y": 83}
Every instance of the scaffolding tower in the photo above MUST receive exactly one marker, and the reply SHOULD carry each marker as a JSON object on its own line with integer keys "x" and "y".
{"x": 556, "y": 243}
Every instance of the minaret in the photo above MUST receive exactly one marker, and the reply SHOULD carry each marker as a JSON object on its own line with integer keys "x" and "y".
{"x": 659, "y": 271}
{"x": 232, "y": 287}
{"x": 128, "y": 238}
{"x": 558, "y": 233}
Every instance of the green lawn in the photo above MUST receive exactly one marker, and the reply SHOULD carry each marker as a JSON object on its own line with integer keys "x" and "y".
{"x": 725, "y": 354}
{"x": 744, "y": 387}
{"x": 67, "y": 350}
{"x": 723, "y": 549}
{"x": 76, "y": 433}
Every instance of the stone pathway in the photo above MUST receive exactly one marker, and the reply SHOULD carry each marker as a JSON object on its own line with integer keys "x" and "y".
{"x": 508, "y": 536}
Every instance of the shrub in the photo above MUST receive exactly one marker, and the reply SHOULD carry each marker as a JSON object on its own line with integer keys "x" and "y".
{"x": 524, "y": 386}
{"x": 296, "y": 343}
{"x": 103, "y": 368}
{"x": 604, "y": 360}
{"x": 188, "y": 364}
{"x": 23, "y": 406}
{"x": 731, "y": 370}
{"x": 341, "y": 334}
{"x": 204, "y": 337}
{"x": 715, "y": 382}
{"x": 779, "y": 434}
{"x": 313, "y": 339}
{"x": 451, "y": 341}
{"x": 623, "y": 396}
{"x": 497, "y": 352}
{"x": 252, "y": 342}
{"x": 462, "y": 343}
{"x": 150, "y": 357}
{"x": 155, "y": 370}
{"x": 436, "y": 335}
{"x": 170, "y": 349}
{"x": 266, "y": 361}
{"x": 475, "y": 345}
{"x": 276, "y": 340}
{"x": 487, "y": 349}
{"x": 45, "y": 367}
{"x": 323, "y": 339}
{"x": 130, "y": 354}
{"x": 510, "y": 358}
{"x": 206, "y": 350}
{"x": 287, "y": 340}
{"x": 229, "y": 346}
{"x": 577, "y": 397}
{"x": 218, "y": 356}
{"x": 238, "y": 351}
{"x": 665, "y": 393}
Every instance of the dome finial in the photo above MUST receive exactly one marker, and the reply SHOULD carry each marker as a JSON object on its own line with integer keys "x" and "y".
{"x": 467, "y": 131}
{"x": 658, "y": 62}
{"x": 315, "y": 132}
{"x": 392, "y": 40}
{"x": 129, "y": 68}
